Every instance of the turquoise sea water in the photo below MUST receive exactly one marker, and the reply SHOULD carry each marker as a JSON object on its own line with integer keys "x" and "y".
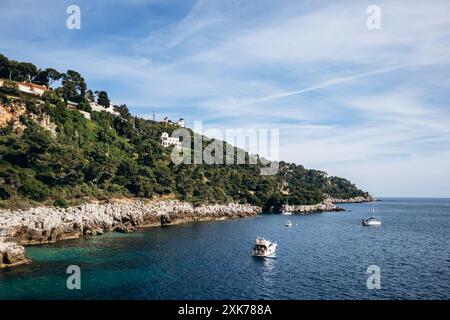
{"x": 323, "y": 256}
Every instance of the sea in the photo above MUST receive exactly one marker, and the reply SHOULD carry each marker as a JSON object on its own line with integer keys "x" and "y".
{"x": 322, "y": 256}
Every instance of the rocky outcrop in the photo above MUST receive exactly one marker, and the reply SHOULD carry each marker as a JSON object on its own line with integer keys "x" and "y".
{"x": 12, "y": 113}
{"x": 353, "y": 200}
{"x": 45, "y": 122}
{"x": 11, "y": 254}
{"x": 329, "y": 204}
{"x": 326, "y": 205}
{"x": 49, "y": 224}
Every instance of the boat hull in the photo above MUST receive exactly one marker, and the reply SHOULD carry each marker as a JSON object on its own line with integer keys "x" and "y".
{"x": 371, "y": 223}
{"x": 265, "y": 255}
{"x": 273, "y": 256}
{"x": 269, "y": 253}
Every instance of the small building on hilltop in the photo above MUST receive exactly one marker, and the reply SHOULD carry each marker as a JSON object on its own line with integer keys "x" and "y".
{"x": 167, "y": 122}
{"x": 167, "y": 141}
{"x": 99, "y": 108}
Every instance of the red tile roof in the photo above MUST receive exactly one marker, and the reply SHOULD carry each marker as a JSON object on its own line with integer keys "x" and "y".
{"x": 33, "y": 85}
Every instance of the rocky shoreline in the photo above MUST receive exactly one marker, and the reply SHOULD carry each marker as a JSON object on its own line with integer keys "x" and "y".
{"x": 49, "y": 224}
{"x": 328, "y": 205}
{"x": 11, "y": 254}
{"x": 325, "y": 206}
{"x": 353, "y": 200}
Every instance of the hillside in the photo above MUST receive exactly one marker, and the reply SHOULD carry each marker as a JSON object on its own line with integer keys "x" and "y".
{"x": 50, "y": 153}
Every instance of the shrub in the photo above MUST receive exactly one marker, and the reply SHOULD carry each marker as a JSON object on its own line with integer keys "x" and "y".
{"x": 52, "y": 97}
{"x": 32, "y": 106}
{"x": 10, "y": 88}
{"x": 4, "y": 99}
{"x": 4, "y": 194}
{"x": 32, "y": 188}
{"x": 60, "y": 203}
{"x": 84, "y": 106}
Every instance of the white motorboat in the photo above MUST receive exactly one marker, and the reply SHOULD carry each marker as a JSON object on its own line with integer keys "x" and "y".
{"x": 288, "y": 223}
{"x": 287, "y": 213}
{"x": 374, "y": 222}
{"x": 264, "y": 248}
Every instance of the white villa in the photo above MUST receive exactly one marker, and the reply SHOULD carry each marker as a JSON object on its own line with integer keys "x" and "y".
{"x": 99, "y": 108}
{"x": 30, "y": 88}
{"x": 167, "y": 141}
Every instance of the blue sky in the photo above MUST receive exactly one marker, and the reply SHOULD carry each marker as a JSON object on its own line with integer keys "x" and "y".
{"x": 369, "y": 105}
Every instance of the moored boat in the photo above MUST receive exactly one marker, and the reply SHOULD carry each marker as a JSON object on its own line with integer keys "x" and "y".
{"x": 374, "y": 222}
{"x": 264, "y": 248}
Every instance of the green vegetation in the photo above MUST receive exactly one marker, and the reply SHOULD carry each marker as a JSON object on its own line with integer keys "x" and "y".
{"x": 121, "y": 156}
{"x": 102, "y": 98}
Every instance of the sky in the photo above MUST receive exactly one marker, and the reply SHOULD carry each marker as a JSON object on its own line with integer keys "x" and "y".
{"x": 368, "y": 105}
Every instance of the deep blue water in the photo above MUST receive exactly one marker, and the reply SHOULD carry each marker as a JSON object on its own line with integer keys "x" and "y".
{"x": 323, "y": 256}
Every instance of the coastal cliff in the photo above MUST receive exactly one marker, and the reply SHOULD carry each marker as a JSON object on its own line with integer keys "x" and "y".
{"x": 49, "y": 224}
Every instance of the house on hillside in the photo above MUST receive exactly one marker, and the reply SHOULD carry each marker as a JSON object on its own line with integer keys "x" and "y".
{"x": 99, "y": 108}
{"x": 30, "y": 88}
{"x": 167, "y": 141}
